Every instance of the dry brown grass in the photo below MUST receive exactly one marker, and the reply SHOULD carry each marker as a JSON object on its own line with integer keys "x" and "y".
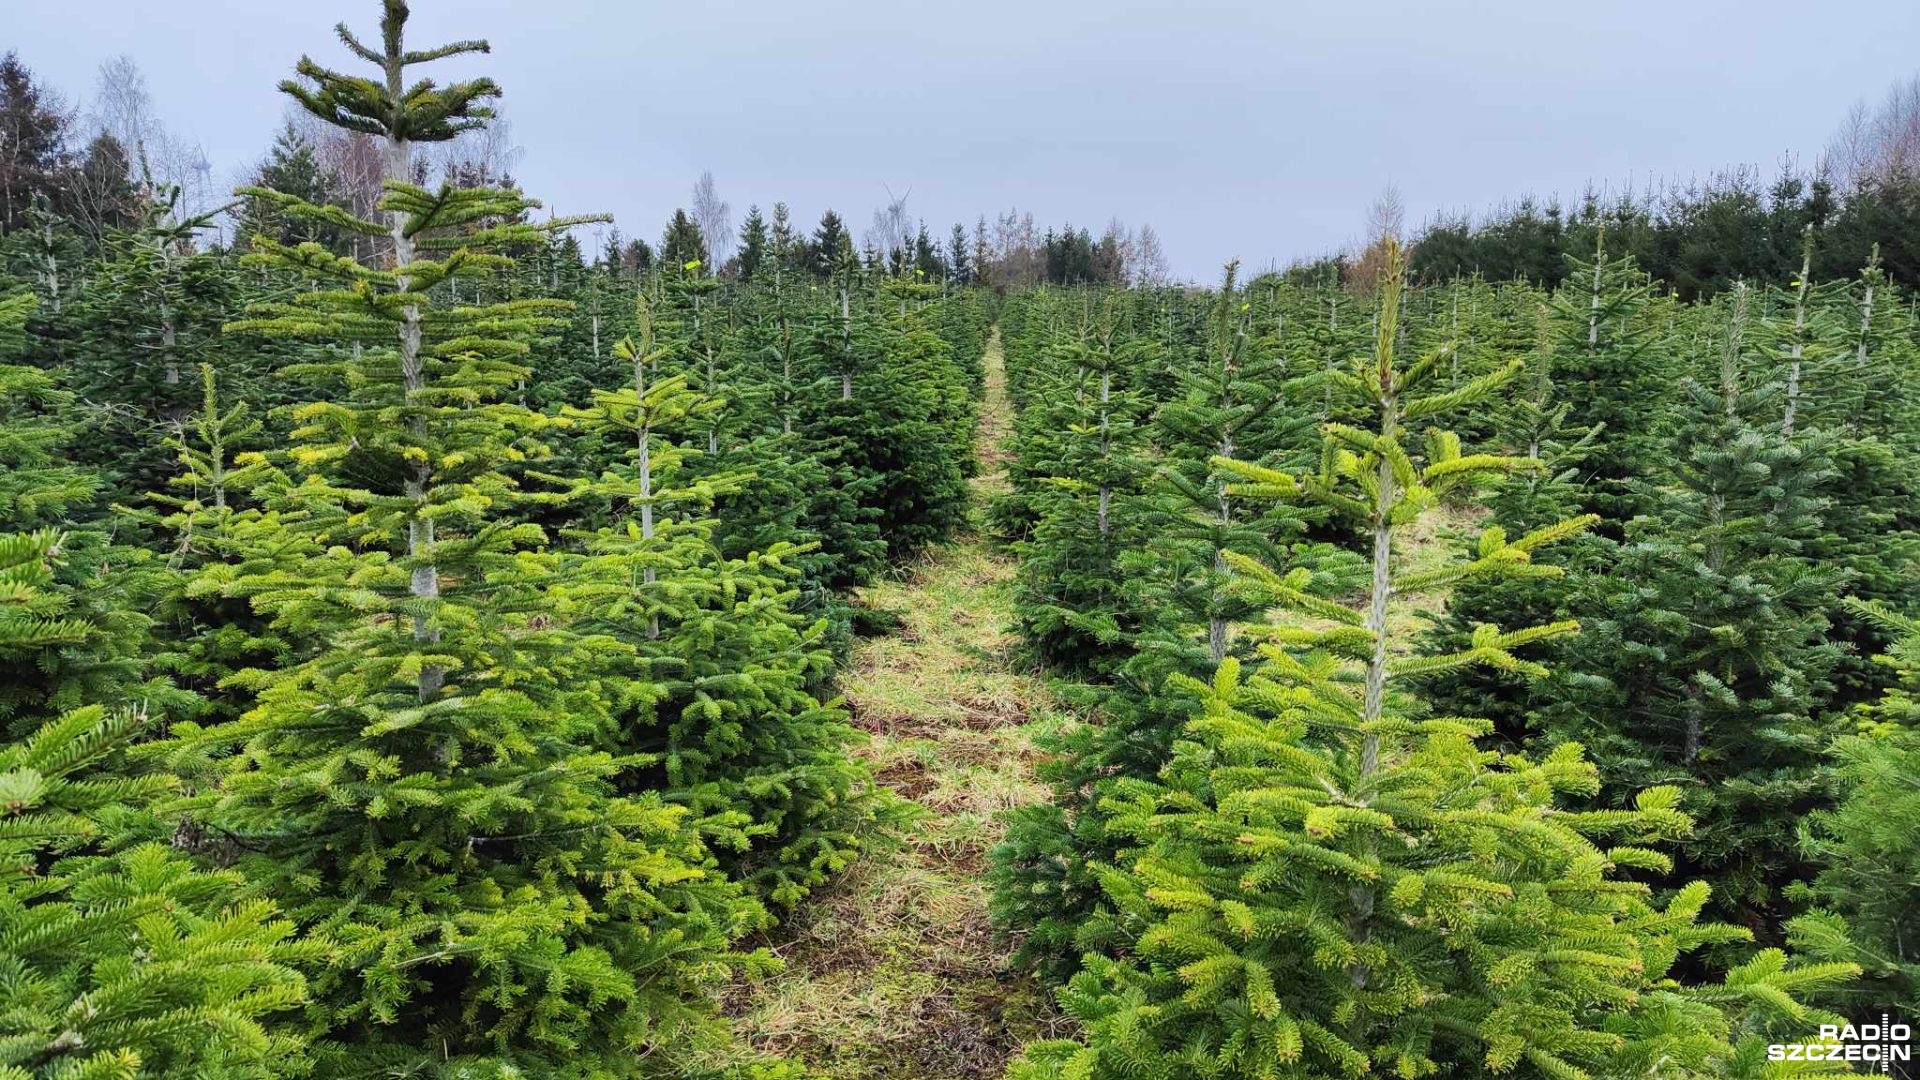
{"x": 894, "y": 972}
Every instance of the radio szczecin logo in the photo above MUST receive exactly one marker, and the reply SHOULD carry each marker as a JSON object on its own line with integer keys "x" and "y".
{"x": 1878, "y": 1045}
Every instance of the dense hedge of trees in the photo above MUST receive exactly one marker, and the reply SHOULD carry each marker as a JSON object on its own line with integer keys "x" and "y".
{"x": 1697, "y": 241}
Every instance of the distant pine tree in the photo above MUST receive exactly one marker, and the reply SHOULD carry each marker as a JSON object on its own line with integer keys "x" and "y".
{"x": 754, "y": 240}
{"x": 682, "y": 248}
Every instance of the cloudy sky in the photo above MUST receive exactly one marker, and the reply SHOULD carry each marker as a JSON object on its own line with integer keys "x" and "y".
{"x": 1257, "y": 129}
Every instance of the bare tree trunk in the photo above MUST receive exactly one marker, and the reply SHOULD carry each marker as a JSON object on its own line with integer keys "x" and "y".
{"x": 846, "y": 348}
{"x": 1593, "y": 302}
{"x": 425, "y": 580}
{"x": 1361, "y": 897}
{"x": 1380, "y": 589}
{"x": 786, "y": 373}
{"x": 169, "y": 339}
{"x": 1866, "y": 323}
{"x": 643, "y": 469}
{"x": 53, "y": 270}
{"x": 1799, "y": 334}
{"x": 1106, "y": 442}
{"x": 1696, "y": 725}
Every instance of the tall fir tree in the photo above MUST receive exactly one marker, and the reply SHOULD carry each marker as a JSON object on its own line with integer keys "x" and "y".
{"x": 1614, "y": 367}
{"x": 436, "y": 779}
{"x": 1085, "y": 427}
{"x": 724, "y": 672}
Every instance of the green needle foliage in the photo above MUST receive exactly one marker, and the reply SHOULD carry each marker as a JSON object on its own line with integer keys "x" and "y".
{"x": 1706, "y": 662}
{"x": 1869, "y": 842}
{"x": 437, "y": 778}
{"x": 119, "y": 958}
{"x": 722, "y": 669}
{"x": 1613, "y": 364}
{"x": 37, "y": 487}
{"x": 1326, "y": 883}
{"x": 1084, "y": 428}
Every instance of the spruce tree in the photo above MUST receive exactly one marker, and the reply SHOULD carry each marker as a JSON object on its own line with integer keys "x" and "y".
{"x": 786, "y": 245}
{"x": 682, "y": 245}
{"x": 959, "y": 261}
{"x": 753, "y": 245}
{"x": 831, "y": 249}
{"x": 291, "y": 167}
{"x": 36, "y": 149}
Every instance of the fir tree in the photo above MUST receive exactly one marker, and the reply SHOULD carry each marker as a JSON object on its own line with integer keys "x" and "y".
{"x": 1613, "y": 368}
{"x": 1084, "y": 428}
{"x": 1219, "y": 411}
{"x": 1705, "y": 658}
{"x": 38, "y": 486}
{"x": 728, "y": 670}
{"x": 435, "y": 779}
{"x": 150, "y": 313}
{"x": 213, "y": 523}
{"x": 1863, "y": 401}
{"x": 1804, "y": 336}
{"x": 1535, "y": 424}
{"x": 1326, "y": 883}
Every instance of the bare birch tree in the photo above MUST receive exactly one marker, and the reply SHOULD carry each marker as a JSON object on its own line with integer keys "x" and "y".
{"x": 715, "y": 217}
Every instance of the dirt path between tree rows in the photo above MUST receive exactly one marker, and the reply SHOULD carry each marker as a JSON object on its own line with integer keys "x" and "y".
{"x": 893, "y": 972}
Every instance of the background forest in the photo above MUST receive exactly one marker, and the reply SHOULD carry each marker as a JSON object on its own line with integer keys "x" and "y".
{"x": 429, "y": 647}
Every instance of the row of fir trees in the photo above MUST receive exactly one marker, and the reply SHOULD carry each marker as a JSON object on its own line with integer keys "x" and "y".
{"x": 421, "y": 663}
{"x": 1477, "y": 680}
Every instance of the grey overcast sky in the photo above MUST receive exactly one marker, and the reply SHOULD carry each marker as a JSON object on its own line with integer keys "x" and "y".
{"x": 1256, "y": 129}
